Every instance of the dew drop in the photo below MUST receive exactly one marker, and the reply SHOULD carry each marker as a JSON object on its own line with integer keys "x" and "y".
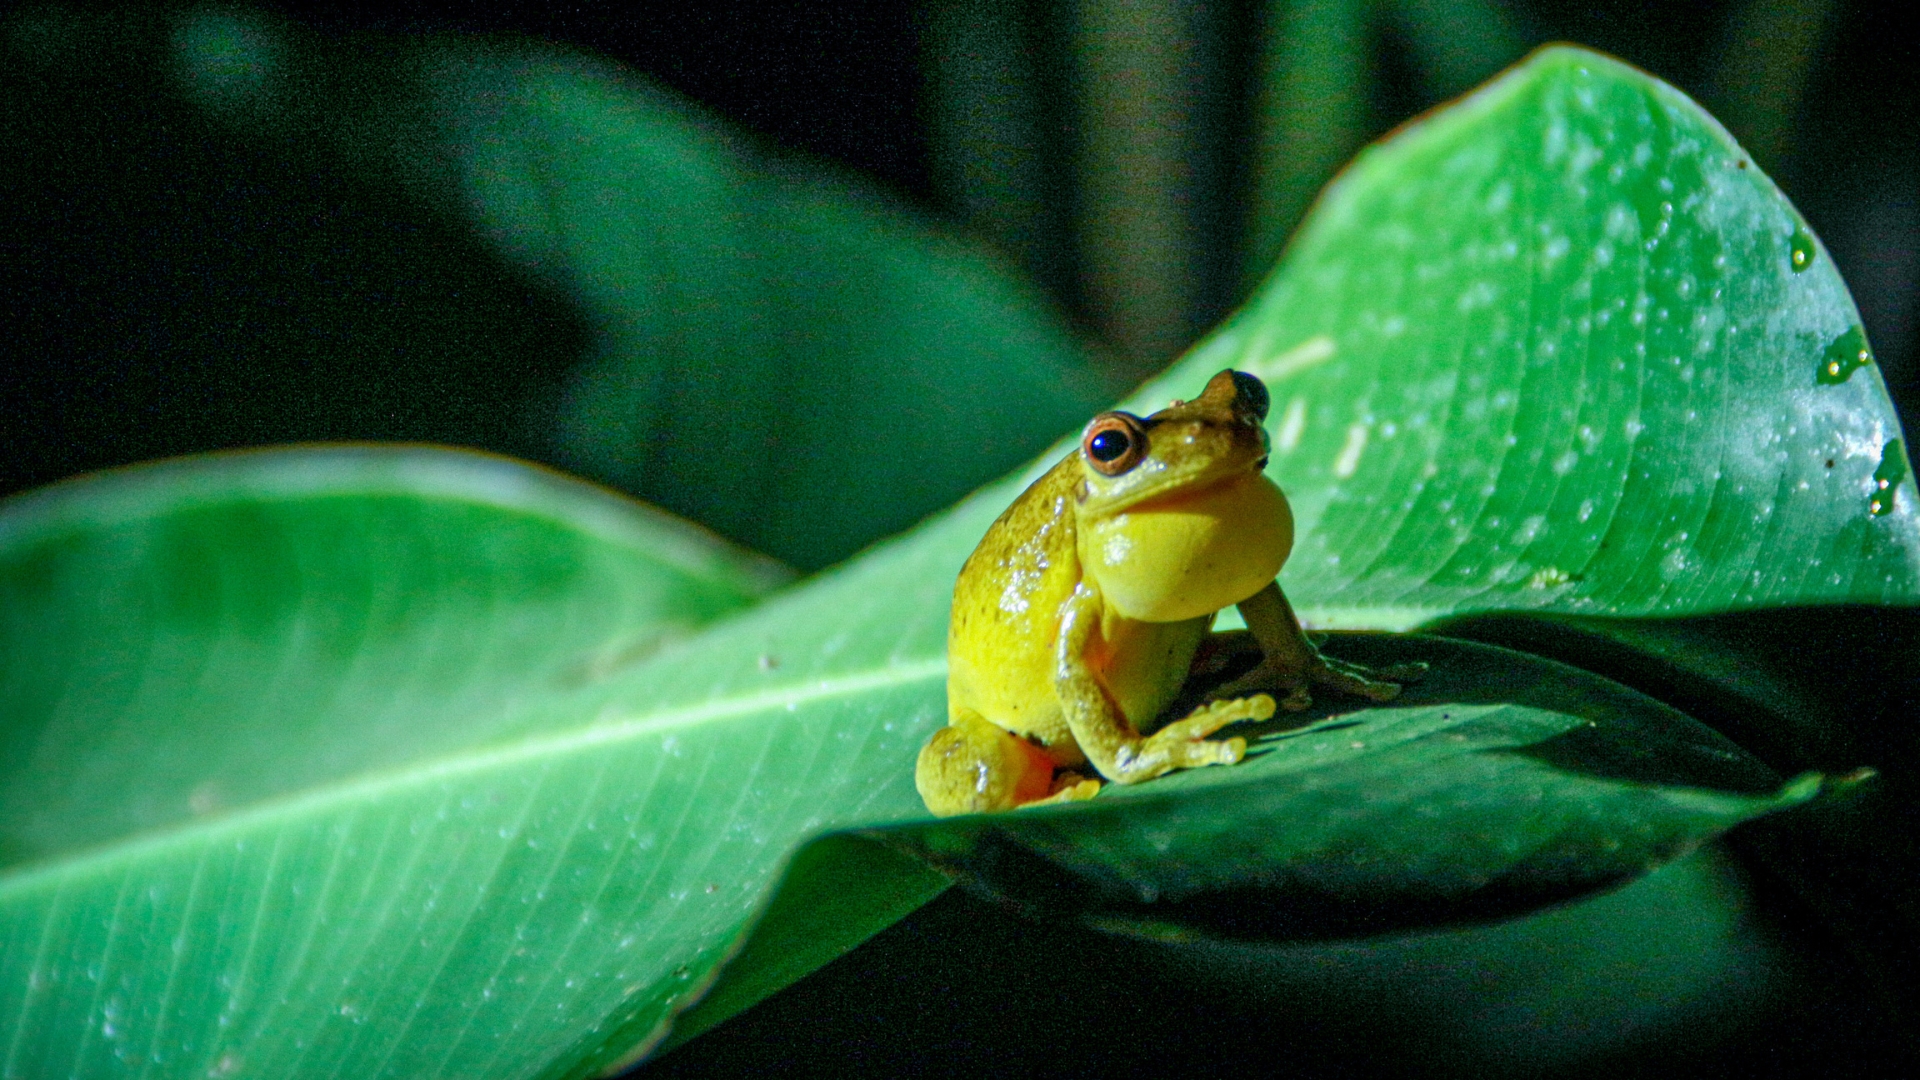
{"x": 1847, "y": 354}
{"x": 1550, "y": 577}
{"x": 1800, "y": 249}
{"x": 1674, "y": 564}
{"x": 1887, "y": 478}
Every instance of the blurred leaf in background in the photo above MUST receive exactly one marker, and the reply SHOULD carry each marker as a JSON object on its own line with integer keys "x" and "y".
{"x": 231, "y": 231}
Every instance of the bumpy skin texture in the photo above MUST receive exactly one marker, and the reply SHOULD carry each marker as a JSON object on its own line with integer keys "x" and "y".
{"x": 1078, "y": 617}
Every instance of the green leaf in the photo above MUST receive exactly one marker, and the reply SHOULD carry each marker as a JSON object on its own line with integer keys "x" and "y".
{"x": 238, "y": 695}
{"x": 183, "y": 640}
{"x": 1499, "y": 784}
{"x": 1685, "y": 954}
{"x": 784, "y": 354}
{"x": 541, "y": 888}
{"x": 1549, "y": 349}
{"x": 1681, "y": 950}
{"x": 1828, "y": 687}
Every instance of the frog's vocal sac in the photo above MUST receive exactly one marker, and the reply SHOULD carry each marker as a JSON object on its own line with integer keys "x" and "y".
{"x": 1079, "y": 616}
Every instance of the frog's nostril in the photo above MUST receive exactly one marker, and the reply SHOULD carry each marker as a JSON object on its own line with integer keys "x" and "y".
{"x": 1253, "y": 393}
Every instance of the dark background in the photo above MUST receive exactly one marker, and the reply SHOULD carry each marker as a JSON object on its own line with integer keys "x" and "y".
{"x": 136, "y": 260}
{"x": 1821, "y": 91}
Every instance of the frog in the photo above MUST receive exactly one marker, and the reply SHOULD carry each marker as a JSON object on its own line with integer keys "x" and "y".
{"x": 1081, "y": 614}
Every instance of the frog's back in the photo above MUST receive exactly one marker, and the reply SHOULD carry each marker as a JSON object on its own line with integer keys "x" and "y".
{"x": 1006, "y": 612}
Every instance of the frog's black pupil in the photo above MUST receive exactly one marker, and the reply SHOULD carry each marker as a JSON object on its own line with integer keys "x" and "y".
{"x": 1253, "y": 392}
{"x": 1108, "y": 444}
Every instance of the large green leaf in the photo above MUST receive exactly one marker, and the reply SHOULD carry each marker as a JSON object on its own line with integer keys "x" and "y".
{"x": 1560, "y": 346}
{"x": 180, "y": 641}
{"x": 539, "y": 898}
{"x": 1830, "y": 687}
{"x": 497, "y": 842}
{"x": 333, "y": 761}
{"x": 1677, "y": 965}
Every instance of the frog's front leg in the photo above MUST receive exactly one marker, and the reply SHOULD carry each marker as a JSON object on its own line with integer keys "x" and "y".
{"x": 1109, "y": 738}
{"x": 1291, "y": 662}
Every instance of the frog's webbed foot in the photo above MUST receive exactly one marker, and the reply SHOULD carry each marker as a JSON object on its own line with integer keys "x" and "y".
{"x": 1373, "y": 684}
{"x": 1382, "y": 684}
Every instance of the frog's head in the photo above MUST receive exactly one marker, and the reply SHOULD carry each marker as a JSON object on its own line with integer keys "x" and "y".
{"x": 1176, "y": 518}
{"x": 1184, "y": 448}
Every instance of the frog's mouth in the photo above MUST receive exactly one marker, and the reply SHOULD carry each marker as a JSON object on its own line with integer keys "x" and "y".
{"x": 1172, "y": 498}
{"x": 1169, "y": 492}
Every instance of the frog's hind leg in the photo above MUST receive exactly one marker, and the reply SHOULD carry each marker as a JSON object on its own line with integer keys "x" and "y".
{"x": 974, "y": 766}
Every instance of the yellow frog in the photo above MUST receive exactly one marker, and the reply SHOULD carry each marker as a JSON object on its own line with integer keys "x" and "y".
{"x": 1078, "y": 618}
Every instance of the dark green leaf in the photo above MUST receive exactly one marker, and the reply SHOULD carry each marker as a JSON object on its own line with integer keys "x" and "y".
{"x": 1499, "y": 784}
{"x": 836, "y": 890}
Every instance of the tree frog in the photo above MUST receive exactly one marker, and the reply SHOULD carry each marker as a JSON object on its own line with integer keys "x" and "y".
{"x": 1079, "y": 616}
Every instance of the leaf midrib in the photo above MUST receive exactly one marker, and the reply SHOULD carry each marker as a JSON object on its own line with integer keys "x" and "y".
{"x": 369, "y": 786}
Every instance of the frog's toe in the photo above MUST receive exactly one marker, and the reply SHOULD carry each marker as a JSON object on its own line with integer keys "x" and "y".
{"x": 1230, "y": 751}
{"x": 1215, "y": 715}
{"x": 1070, "y": 787}
{"x": 1361, "y": 681}
{"x": 1259, "y": 707}
{"x": 1234, "y": 710}
{"x": 1205, "y": 752}
{"x": 1067, "y": 779}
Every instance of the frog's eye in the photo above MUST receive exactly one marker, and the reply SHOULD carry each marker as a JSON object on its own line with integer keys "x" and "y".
{"x": 1114, "y": 442}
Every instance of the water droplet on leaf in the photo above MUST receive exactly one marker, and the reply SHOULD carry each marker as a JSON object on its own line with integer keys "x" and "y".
{"x": 1886, "y": 478}
{"x": 1800, "y": 248}
{"x": 1847, "y": 354}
